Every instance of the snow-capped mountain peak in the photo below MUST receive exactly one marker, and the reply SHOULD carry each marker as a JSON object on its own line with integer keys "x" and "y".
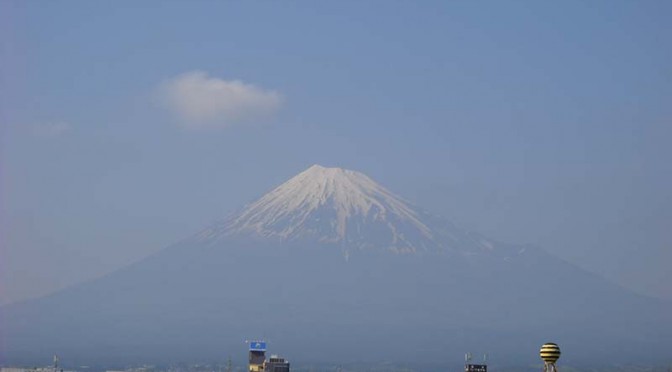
{"x": 332, "y": 205}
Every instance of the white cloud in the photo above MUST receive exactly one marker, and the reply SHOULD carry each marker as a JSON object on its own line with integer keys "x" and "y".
{"x": 54, "y": 129}
{"x": 203, "y": 101}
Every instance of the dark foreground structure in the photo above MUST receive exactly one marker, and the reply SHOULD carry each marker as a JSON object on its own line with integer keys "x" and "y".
{"x": 258, "y": 362}
{"x": 276, "y": 364}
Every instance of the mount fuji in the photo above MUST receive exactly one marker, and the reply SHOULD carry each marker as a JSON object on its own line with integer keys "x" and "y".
{"x": 331, "y": 266}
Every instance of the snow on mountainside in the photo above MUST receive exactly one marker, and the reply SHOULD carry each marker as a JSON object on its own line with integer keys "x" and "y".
{"x": 334, "y": 205}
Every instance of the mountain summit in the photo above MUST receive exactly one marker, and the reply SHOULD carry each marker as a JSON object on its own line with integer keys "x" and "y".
{"x": 343, "y": 207}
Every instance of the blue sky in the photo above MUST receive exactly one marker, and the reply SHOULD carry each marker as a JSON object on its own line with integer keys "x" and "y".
{"x": 531, "y": 122}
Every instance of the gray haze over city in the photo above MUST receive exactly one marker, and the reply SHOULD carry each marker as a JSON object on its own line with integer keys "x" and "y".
{"x": 127, "y": 127}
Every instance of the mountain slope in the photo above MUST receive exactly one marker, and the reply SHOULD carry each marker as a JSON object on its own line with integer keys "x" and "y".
{"x": 412, "y": 284}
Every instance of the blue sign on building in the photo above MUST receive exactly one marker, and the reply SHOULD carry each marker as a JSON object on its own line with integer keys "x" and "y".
{"x": 257, "y": 345}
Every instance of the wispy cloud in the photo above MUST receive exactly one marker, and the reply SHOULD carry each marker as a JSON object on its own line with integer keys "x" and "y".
{"x": 53, "y": 129}
{"x": 203, "y": 101}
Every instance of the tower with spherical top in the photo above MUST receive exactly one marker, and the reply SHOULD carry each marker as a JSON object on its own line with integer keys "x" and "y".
{"x": 549, "y": 353}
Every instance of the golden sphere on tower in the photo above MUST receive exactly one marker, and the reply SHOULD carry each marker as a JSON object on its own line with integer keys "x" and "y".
{"x": 549, "y": 352}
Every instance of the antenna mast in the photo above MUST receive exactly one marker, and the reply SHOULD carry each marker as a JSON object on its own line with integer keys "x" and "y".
{"x": 229, "y": 365}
